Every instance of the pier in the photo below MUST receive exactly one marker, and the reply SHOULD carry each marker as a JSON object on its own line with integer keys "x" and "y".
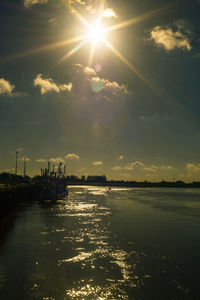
{"x": 11, "y": 195}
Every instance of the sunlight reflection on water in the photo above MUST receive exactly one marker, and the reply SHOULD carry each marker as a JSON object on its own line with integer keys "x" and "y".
{"x": 115, "y": 267}
{"x": 102, "y": 244}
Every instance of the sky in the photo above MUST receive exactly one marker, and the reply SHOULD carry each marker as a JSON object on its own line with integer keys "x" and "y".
{"x": 105, "y": 87}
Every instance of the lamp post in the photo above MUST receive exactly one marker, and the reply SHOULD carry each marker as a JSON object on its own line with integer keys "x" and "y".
{"x": 16, "y": 162}
{"x": 24, "y": 166}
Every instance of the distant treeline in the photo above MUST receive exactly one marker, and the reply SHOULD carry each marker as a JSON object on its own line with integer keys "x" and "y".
{"x": 6, "y": 178}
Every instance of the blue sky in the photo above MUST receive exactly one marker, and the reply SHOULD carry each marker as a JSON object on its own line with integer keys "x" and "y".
{"x": 129, "y": 109}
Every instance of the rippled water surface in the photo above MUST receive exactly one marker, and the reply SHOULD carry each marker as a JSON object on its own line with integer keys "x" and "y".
{"x": 103, "y": 244}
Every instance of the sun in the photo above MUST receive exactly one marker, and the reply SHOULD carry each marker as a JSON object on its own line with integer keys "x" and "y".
{"x": 96, "y": 31}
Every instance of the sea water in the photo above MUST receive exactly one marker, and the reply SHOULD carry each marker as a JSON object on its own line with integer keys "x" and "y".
{"x": 100, "y": 243}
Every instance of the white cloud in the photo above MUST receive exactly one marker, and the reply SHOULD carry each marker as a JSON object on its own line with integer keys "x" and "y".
{"x": 80, "y": 2}
{"x": 121, "y": 157}
{"x": 89, "y": 71}
{"x": 47, "y": 85}
{"x": 191, "y": 167}
{"x": 153, "y": 168}
{"x": 133, "y": 165}
{"x": 85, "y": 70}
{"x": 26, "y": 158}
{"x": 72, "y": 156}
{"x": 6, "y": 87}
{"x": 57, "y": 160}
{"x": 82, "y": 170}
{"x": 52, "y": 20}
{"x": 117, "y": 168}
{"x": 8, "y": 170}
{"x": 41, "y": 160}
{"x": 97, "y": 85}
{"x": 109, "y": 13}
{"x": 97, "y": 163}
{"x": 149, "y": 168}
{"x": 171, "y": 39}
{"x": 28, "y": 3}
{"x": 166, "y": 167}
{"x": 20, "y": 149}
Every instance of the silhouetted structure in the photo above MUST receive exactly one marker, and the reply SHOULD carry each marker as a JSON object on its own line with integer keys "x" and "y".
{"x": 16, "y": 162}
{"x": 24, "y": 166}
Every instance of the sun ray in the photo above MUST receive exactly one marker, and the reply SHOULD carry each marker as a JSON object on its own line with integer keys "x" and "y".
{"x": 46, "y": 48}
{"x": 73, "y": 51}
{"x": 101, "y": 10}
{"x": 141, "y": 18}
{"x": 110, "y": 46}
{"x": 94, "y": 42}
{"x": 80, "y": 17}
{"x": 96, "y": 32}
{"x": 128, "y": 64}
{"x": 92, "y": 49}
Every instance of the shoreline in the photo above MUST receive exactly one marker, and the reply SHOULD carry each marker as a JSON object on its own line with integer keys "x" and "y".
{"x": 137, "y": 185}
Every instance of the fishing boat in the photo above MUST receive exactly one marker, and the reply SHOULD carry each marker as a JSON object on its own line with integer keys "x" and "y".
{"x": 54, "y": 185}
{"x": 61, "y": 188}
{"x": 53, "y": 189}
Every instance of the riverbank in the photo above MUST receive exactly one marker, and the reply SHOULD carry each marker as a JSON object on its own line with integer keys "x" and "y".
{"x": 145, "y": 184}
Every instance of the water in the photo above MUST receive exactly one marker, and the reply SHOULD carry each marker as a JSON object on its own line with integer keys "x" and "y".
{"x": 103, "y": 244}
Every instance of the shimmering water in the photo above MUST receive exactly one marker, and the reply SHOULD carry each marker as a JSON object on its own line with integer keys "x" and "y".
{"x": 104, "y": 244}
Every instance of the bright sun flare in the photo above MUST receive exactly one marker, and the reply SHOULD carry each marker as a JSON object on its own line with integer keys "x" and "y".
{"x": 96, "y": 31}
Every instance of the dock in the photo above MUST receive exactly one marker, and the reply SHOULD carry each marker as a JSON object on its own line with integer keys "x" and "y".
{"x": 11, "y": 195}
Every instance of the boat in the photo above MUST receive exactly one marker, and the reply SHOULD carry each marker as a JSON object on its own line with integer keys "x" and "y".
{"x": 61, "y": 188}
{"x": 54, "y": 185}
{"x": 53, "y": 189}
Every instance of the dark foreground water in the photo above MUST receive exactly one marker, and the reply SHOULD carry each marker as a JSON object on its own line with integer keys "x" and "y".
{"x": 104, "y": 244}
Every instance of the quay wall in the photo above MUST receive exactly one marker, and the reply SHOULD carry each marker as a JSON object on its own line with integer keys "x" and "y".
{"x": 9, "y": 197}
